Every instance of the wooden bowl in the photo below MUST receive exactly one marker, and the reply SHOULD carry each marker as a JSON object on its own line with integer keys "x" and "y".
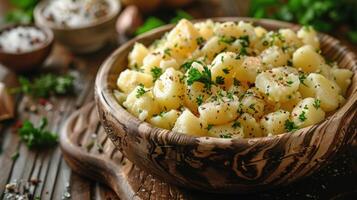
{"x": 82, "y": 39}
{"x": 226, "y": 165}
{"x": 26, "y": 61}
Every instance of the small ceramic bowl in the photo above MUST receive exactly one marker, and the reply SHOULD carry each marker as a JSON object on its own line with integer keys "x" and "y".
{"x": 226, "y": 165}
{"x": 85, "y": 38}
{"x": 28, "y": 60}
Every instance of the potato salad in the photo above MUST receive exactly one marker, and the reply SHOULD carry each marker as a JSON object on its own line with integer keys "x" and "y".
{"x": 231, "y": 80}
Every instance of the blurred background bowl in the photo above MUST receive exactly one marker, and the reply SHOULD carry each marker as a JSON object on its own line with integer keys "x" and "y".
{"x": 86, "y": 38}
{"x": 29, "y": 60}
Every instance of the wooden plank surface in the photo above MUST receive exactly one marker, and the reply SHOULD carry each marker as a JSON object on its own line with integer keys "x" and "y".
{"x": 47, "y": 166}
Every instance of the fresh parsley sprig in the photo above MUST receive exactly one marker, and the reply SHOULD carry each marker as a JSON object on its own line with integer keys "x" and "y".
{"x": 205, "y": 77}
{"x": 323, "y": 15}
{"x": 46, "y": 85}
{"x": 37, "y": 137}
{"x": 23, "y": 12}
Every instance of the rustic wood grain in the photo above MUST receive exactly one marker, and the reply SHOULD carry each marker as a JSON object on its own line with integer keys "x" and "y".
{"x": 129, "y": 182}
{"x": 226, "y": 165}
{"x": 48, "y": 165}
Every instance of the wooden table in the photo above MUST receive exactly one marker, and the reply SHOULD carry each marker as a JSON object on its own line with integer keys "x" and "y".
{"x": 47, "y": 167}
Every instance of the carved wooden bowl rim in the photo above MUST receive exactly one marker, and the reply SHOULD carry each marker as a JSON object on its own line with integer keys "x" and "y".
{"x": 107, "y": 98}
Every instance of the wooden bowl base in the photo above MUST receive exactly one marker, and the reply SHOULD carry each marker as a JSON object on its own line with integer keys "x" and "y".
{"x": 89, "y": 152}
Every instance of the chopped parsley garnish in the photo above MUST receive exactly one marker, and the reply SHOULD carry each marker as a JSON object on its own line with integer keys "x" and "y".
{"x": 290, "y": 63}
{"x": 227, "y": 40}
{"x": 200, "y": 41}
{"x": 289, "y": 82}
{"x": 244, "y": 40}
{"x": 167, "y": 51}
{"x": 243, "y": 51}
{"x": 236, "y": 82}
{"x": 230, "y": 96}
{"x": 209, "y": 126}
{"x": 302, "y": 116}
{"x": 196, "y": 76}
{"x": 240, "y": 109}
{"x": 236, "y": 124}
{"x": 302, "y": 77}
{"x": 275, "y": 36}
{"x": 36, "y": 137}
{"x": 227, "y": 135}
{"x": 187, "y": 65}
{"x": 219, "y": 80}
{"x": 317, "y": 103}
{"x": 140, "y": 91}
{"x": 199, "y": 100}
{"x": 251, "y": 106}
{"x": 290, "y": 126}
{"x": 161, "y": 114}
{"x": 156, "y": 73}
{"x": 226, "y": 70}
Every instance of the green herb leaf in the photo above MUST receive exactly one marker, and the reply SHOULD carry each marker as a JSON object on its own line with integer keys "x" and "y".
{"x": 236, "y": 82}
{"x": 156, "y": 73}
{"x": 302, "y": 116}
{"x": 317, "y": 103}
{"x": 230, "y": 96}
{"x": 290, "y": 126}
{"x": 180, "y": 14}
{"x": 23, "y": 12}
{"x": 194, "y": 75}
{"x": 236, "y": 124}
{"x": 187, "y": 65}
{"x": 227, "y": 40}
{"x": 219, "y": 80}
{"x": 140, "y": 91}
{"x": 149, "y": 24}
{"x": 302, "y": 78}
{"x": 226, "y": 70}
{"x": 251, "y": 106}
{"x": 24, "y": 4}
{"x": 227, "y": 135}
{"x": 37, "y": 137}
{"x": 199, "y": 100}
{"x": 289, "y": 82}
{"x": 322, "y": 15}
{"x": 46, "y": 85}
{"x": 19, "y": 16}
{"x": 244, "y": 41}
{"x": 200, "y": 41}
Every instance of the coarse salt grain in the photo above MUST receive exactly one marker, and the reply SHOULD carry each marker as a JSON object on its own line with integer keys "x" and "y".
{"x": 76, "y": 13}
{"x": 21, "y": 39}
